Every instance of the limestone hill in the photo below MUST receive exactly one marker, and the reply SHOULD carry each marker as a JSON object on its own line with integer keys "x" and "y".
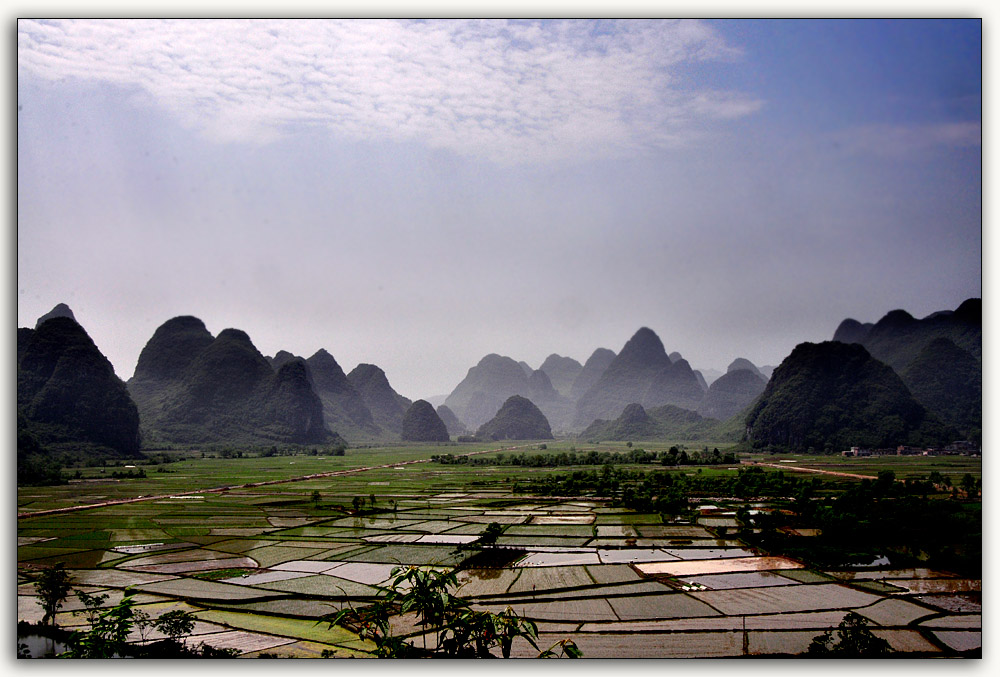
{"x": 731, "y": 393}
{"x": 191, "y": 388}
{"x": 386, "y": 405}
{"x": 834, "y": 396}
{"x": 68, "y": 396}
{"x": 422, "y": 424}
{"x": 518, "y": 419}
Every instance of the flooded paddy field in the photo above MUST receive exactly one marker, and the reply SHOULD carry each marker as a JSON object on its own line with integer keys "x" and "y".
{"x": 259, "y": 565}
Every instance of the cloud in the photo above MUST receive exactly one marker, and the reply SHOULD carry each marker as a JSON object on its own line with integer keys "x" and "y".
{"x": 900, "y": 140}
{"x": 509, "y": 91}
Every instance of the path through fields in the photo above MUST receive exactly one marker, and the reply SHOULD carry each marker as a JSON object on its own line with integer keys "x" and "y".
{"x": 249, "y": 485}
{"x": 816, "y": 470}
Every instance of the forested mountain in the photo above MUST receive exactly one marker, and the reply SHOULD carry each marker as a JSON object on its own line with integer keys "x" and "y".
{"x": 491, "y": 382}
{"x": 422, "y": 424}
{"x": 451, "y": 421}
{"x": 478, "y": 397}
{"x": 518, "y": 419}
{"x": 731, "y": 393}
{"x": 659, "y": 423}
{"x": 949, "y": 382}
{"x": 627, "y": 378}
{"x": 898, "y": 337}
{"x": 60, "y": 310}
{"x": 938, "y": 357}
{"x": 834, "y": 396}
{"x": 591, "y": 373}
{"x": 743, "y": 363}
{"x": 68, "y": 396}
{"x": 386, "y": 405}
{"x": 677, "y": 385}
{"x": 562, "y": 372}
{"x": 344, "y": 410}
{"x": 193, "y": 388}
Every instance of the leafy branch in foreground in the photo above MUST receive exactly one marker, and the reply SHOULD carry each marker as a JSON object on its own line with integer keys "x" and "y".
{"x": 459, "y": 631}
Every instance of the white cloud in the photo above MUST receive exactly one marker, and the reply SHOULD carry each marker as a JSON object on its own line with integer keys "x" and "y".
{"x": 899, "y": 140}
{"x": 509, "y": 91}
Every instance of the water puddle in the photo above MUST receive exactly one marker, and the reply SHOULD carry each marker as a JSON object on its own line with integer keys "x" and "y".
{"x": 551, "y": 559}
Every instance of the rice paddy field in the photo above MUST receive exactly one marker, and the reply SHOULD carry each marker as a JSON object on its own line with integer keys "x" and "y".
{"x": 259, "y": 559}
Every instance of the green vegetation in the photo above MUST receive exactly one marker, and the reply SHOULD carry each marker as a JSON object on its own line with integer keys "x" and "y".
{"x": 832, "y": 396}
{"x": 854, "y": 640}
{"x": 68, "y": 394}
{"x": 948, "y": 381}
{"x": 674, "y": 456}
{"x": 518, "y": 419}
{"x": 422, "y": 424}
{"x": 557, "y": 556}
{"x": 666, "y": 422}
{"x": 457, "y": 630}
{"x": 52, "y": 585}
{"x": 192, "y": 388}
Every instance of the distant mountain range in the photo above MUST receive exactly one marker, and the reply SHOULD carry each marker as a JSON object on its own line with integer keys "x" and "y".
{"x": 600, "y": 389}
{"x": 899, "y": 379}
{"x": 939, "y": 358}
{"x": 68, "y": 396}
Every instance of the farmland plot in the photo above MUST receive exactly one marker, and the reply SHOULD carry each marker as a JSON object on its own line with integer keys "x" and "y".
{"x": 791, "y": 598}
{"x": 606, "y": 577}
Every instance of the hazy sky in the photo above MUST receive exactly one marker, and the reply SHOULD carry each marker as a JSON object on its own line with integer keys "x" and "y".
{"x": 419, "y": 194}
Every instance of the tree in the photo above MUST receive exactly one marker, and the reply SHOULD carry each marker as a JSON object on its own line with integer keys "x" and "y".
{"x": 315, "y": 497}
{"x": 175, "y": 624}
{"x": 52, "y": 586}
{"x": 143, "y": 623}
{"x": 969, "y": 485}
{"x": 108, "y": 635}
{"x": 92, "y": 605}
{"x": 854, "y": 640}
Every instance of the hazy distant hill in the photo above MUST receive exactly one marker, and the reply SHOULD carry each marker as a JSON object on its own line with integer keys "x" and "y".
{"x": 344, "y": 410}
{"x": 518, "y": 419}
{"x": 68, "y": 396}
{"x": 743, "y": 363}
{"x": 677, "y": 385}
{"x": 591, "y": 373}
{"x": 852, "y": 331}
{"x": 731, "y": 393}
{"x": 422, "y": 424}
{"x": 280, "y": 358}
{"x": 898, "y": 337}
{"x": 562, "y": 372}
{"x": 949, "y": 382}
{"x": 710, "y": 375}
{"x": 452, "y": 423}
{"x": 627, "y": 379}
{"x": 191, "y": 388}
{"x": 386, "y": 405}
{"x": 478, "y": 397}
{"x": 834, "y": 395}
{"x": 60, "y": 310}
{"x": 660, "y": 423}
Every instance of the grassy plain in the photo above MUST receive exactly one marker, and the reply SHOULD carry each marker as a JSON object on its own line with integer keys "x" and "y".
{"x": 259, "y": 564}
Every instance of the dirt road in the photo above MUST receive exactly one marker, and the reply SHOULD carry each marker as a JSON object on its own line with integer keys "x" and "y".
{"x": 816, "y": 470}
{"x": 249, "y": 485}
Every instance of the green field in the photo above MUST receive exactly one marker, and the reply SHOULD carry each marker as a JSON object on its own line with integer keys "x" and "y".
{"x": 260, "y": 564}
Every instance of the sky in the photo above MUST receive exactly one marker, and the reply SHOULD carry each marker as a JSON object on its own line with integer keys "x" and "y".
{"x": 418, "y": 194}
